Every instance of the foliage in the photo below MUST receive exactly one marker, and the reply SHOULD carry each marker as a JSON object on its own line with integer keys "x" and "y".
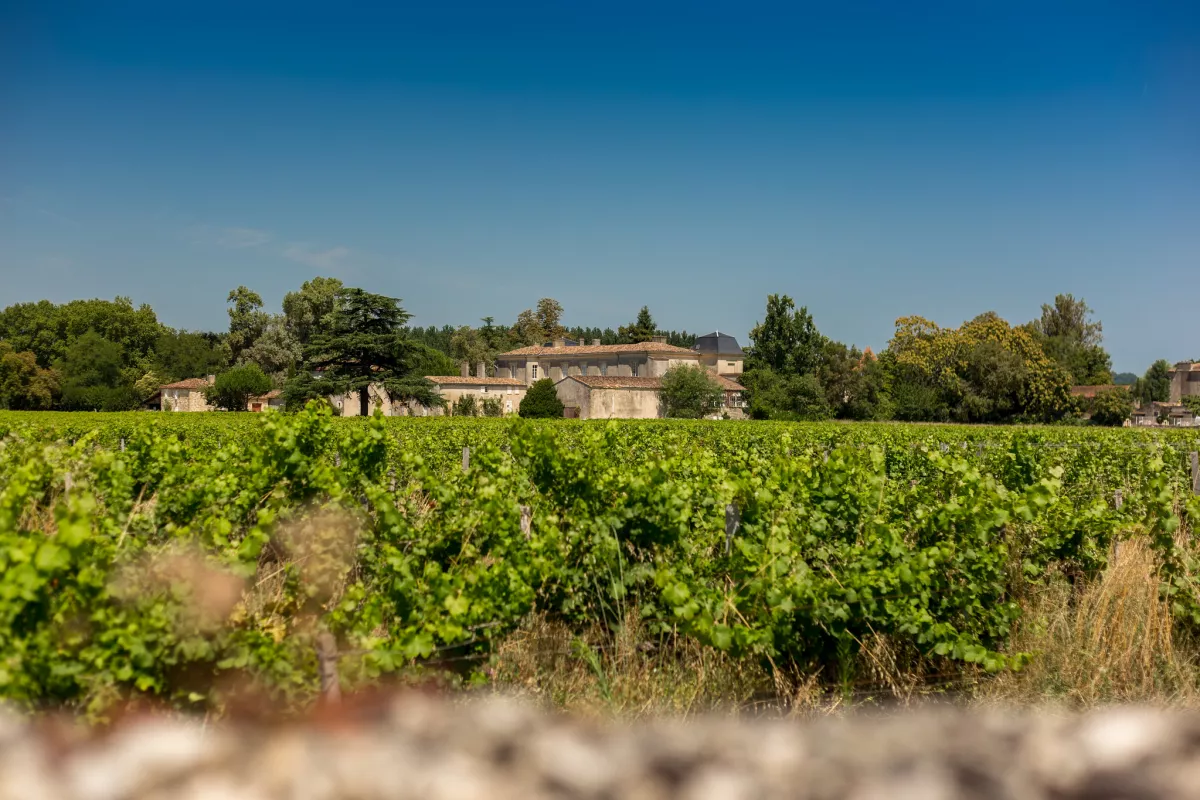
{"x": 49, "y": 330}
{"x": 93, "y": 376}
{"x": 1155, "y": 385}
{"x": 465, "y": 406}
{"x": 309, "y": 310}
{"x": 535, "y": 327}
{"x": 469, "y": 346}
{"x": 640, "y": 330}
{"x": 690, "y": 392}
{"x": 786, "y": 341}
{"x": 984, "y": 371}
{"x": 247, "y": 320}
{"x": 276, "y": 351}
{"x": 855, "y": 382}
{"x": 491, "y": 407}
{"x": 785, "y": 397}
{"x": 185, "y": 354}
{"x": 541, "y": 401}
{"x": 23, "y": 384}
{"x": 1192, "y": 403}
{"x": 190, "y": 553}
{"x": 1069, "y": 336}
{"x": 233, "y": 388}
{"x": 365, "y": 345}
{"x": 1112, "y": 407}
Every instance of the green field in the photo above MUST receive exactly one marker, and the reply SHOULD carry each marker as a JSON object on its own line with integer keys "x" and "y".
{"x": 164, "y": 555}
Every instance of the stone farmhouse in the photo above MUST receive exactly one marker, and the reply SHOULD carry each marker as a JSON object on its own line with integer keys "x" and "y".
{"x": 1185, "y": 382}
{"x": 594, "y": 381}
{"x": 622, "y": 381}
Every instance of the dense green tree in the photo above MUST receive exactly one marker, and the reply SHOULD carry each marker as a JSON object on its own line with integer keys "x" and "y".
{"x": 432, "y": 337}
{"x": 48, "y": 330}
{"x": 277, "y": 351}
{"x": 365, "y": 344}
{"x": 854, "y": 382}
{"x": 1068, "y": 335}
{"x": 540, "y": 325}
{"x": 247, "y": 320}
{"x": 786, "y": 341}
{"x": 93, "y": 376}
{"x": 184, "y": 354}
{"x": 309, "y": 309}
{"x": 469, "y": 346}
{"x": 24, "y": 386}
{"x": 1112, "y": 407}
{"x": 1155, "y": 385}
{"x": 465, "y": 406}
{"x": 541, "y": 401}
{"x": 690, "y": 392}
{"x": 491, "y": 407}
{"x": 234, "y": 387}
{"x": 772, "y": 395}
{"x": 640, "y": 330}
{"x": 1125, "y": 379}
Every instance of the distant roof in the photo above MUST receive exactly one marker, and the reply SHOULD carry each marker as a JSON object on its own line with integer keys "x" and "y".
{"x": 626, "y": 382}
{"x": 1187, "y": 366}
{"x": 271, "y": 395}
{"x": 445, "y": 379}
{"x": 1092, "y": 391}
{"x": 720, "y": 343}
{"x": 598, "y": 349}
{"x": 188, "y": 383}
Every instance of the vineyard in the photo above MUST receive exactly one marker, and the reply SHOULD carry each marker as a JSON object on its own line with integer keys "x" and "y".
{"x": 170, "y": 556}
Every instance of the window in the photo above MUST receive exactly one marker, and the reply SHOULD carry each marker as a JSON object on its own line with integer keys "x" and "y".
{"x": 534, "y": 372}
{"x": 485, "y": 390}
{"x": 603, "y": 369}
{"x": 731, "y": 363}
{"x": 508, "y": 406}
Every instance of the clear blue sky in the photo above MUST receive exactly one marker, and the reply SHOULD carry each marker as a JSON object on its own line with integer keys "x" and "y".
{"x": 871, "y": 160}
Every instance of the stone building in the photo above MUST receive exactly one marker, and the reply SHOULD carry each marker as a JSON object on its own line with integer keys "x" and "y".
{"x": 186, "y": 395}
{"x": 618, "y": 381}
{"x": 509, "y": 391}
{"x": 1185, "y": 380}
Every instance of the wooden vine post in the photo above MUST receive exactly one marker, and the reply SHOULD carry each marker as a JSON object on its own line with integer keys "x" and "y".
{"x": 331, "y": 691}
{"x": 733, "y": 521}
{"x": 466, "y": 458}
{"x": 527, "y": 521}
{"x": 1195, "y": 472}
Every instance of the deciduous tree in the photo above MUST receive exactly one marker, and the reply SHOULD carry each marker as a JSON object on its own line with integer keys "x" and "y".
{"x": 233, "y": 388}
{"x": 541, "y": 401}
{"x": 690, "y": 392}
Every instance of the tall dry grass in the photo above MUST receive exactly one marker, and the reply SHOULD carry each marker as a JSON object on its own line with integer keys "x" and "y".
{"x": 1110, "y": 640}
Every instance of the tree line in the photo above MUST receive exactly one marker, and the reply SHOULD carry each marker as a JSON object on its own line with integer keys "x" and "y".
{"x": 327, "y": 338}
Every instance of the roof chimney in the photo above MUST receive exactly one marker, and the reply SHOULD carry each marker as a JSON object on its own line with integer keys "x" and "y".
{"x": 481, "y": 369}
{"x": 465, "y": 369}
{"x": 560, "y": 343}
{"x": 211, "y": 378}
{"x": 658, "y": 339}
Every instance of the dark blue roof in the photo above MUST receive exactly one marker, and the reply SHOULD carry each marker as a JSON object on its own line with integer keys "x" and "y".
{"x": 719, "y": 343}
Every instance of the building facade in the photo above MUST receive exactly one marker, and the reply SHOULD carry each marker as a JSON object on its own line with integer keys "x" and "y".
{"x": 186, "y": 395}
{"x": 622, "y": 381}
{"x": 1185, "y": 380}
{"x": 509, "y": 391}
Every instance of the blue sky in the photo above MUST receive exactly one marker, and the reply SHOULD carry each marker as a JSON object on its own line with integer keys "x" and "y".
{"x": 871, "y": 160}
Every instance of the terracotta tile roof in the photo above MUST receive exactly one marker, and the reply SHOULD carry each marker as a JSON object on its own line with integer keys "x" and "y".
{"x": 271, "y": 395}
{"x": 444, "y": 379}
{"x": 601, "y": 349}
{"x": 188, "y": 383}
{"x": 622, "y": 382}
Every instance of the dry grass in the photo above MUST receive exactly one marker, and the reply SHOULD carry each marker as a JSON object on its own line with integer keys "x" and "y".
{"x": 623, "y": 672}
{"x": 1109, "y": 641}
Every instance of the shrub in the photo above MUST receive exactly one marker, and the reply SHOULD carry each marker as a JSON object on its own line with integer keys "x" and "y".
{"x": 541, "y": 401}
{"x": 491, "y": 407}
{"x": 1112, "y": 407}
{"x": 690, "y": 392}
{"x": 465, "y": 406}
{"x": 234, "y": 387}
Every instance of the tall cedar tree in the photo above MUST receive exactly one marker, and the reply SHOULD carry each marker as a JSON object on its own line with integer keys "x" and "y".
{"x": 365, "y": 344}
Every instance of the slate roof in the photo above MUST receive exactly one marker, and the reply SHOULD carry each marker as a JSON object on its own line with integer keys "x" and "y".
{"x": 719, "y": 343}
{"x": 472, "y": 381}
{"x": 188, "y": 383}
{"x": 599, "y": 349}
